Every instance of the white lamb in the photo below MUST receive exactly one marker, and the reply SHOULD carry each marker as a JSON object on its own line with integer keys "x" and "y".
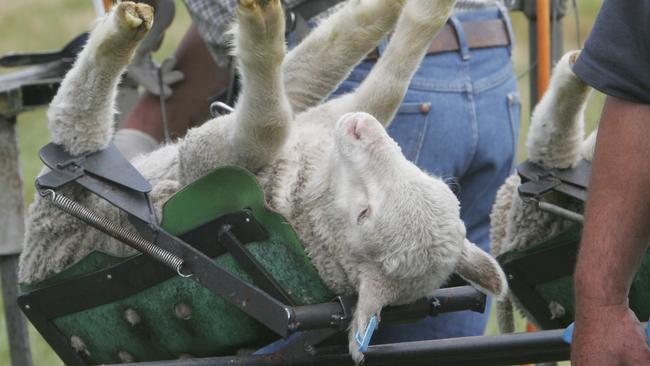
{"x": 555, "y": 140}
{"x": 371, "y": 222}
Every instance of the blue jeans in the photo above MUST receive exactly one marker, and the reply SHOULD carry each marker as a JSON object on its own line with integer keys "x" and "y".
{"x": 459, "y": 121}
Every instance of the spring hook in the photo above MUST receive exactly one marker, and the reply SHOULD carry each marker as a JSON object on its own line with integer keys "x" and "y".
{"x": 129, "y": 237}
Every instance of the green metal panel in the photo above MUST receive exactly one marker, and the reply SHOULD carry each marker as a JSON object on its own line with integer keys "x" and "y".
{"x": 178, "y": 316}
{"x": 560, "y": 290}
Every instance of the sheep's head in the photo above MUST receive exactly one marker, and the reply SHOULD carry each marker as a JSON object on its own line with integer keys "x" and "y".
{"x": 394, "y": 214}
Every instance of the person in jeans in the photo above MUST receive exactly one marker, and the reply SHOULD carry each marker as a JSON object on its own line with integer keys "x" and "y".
{"x": 459, "y": 119}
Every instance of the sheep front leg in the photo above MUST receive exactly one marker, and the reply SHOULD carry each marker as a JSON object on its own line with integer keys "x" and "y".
{"x": 81, "y": 114}
{"x": 557, "y": 123}
{"x": 374, "y": 293}
{"x": 320, "y": 62}
{"x": 263, "y": 113}
{"x": 383, "y": 90}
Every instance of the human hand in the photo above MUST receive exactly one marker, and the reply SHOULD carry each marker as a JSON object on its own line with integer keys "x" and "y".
{"x": 608, "y": 335}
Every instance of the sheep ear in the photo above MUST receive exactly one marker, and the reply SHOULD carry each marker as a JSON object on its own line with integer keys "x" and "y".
{"x": 482, "y": 270}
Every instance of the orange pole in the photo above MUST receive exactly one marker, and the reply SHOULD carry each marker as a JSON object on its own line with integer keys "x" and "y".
{"x": 543, "y": 46}
{"x": 108, "y": 4}
{"x": 543, "y": 12}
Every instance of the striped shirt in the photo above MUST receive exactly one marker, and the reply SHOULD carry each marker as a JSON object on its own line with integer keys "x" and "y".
{"x": 213, "y": 18}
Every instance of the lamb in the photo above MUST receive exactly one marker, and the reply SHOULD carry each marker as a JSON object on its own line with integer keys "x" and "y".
{"x": 555, "y": 140}
{"x": 371, "y": 222}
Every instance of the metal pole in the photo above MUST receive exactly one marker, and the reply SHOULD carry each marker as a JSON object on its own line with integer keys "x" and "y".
{"x": 505, "y": 349}
{"x": 543, "y": 10}
{"x": 557, "y": 12}
{"x": 11, "y": 237}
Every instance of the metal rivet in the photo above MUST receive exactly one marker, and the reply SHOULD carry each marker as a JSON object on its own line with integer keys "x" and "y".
{"x": 248, "y": 219}
{"x": 27, "y": 307}
{"x": 109, "y": 276}
{"x": 510, "y": 277}
{"x": 132, "y": 317}
{"x": 425, "y": 107}
{"x": 125, "y": 357}
{"x": 183, "y": 311}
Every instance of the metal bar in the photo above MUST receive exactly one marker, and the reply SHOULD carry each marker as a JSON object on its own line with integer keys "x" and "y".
{"x": 507, "y": 349}
{"x": 248, "y": 298}
{"x": 52, "y": 335}
{"x": 543, "y": 34}
{"x": 529, "y": 8}
{"x": 561, "y": 211}
{"x": 261, "y": 277}
{"x": 14, "y": 318}
{"x": 443, "y": 301}
{"x": 11, "y": 237}
{"x": 12, "y": 228}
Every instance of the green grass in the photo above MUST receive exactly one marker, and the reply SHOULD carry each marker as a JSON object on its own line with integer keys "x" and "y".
{"x": 57, "y": 21}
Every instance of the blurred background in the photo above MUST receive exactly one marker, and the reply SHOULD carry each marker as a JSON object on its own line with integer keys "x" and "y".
{"x": 38, "y": 25}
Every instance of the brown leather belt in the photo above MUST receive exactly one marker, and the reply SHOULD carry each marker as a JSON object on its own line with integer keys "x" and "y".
{"x": 479, "y": 34}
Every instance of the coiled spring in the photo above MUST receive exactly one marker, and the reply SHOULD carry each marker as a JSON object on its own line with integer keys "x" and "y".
{"x": 129, "y": 237}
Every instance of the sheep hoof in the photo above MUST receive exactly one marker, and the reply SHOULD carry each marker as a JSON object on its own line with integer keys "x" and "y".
{"x": 134, "y": 15}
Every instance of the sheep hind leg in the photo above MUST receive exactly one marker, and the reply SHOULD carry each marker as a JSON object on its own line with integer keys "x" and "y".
{"x": 81, "y": 114}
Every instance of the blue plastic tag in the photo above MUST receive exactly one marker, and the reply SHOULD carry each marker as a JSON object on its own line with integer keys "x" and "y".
{"x": 370, "y": 329}
{"x": 568, "y": 333}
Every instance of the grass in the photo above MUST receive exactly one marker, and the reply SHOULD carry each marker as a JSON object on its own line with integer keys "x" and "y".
{"x": 57, "y": 21}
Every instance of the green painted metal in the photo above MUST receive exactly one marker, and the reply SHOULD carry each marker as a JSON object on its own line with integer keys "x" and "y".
{"x": 179, "y": 317}
{"x": 561, "y": 290}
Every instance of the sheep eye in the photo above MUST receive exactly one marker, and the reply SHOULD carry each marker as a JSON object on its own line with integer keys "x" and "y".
{"x": 363, "y": 215}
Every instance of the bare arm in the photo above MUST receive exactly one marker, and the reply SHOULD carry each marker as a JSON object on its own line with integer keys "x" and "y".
{"x": 615, "y": 238}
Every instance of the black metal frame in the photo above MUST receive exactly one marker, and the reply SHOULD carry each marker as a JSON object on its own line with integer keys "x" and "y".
{"x": 526, "y": 272}
{"x": 108, "y": 175}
